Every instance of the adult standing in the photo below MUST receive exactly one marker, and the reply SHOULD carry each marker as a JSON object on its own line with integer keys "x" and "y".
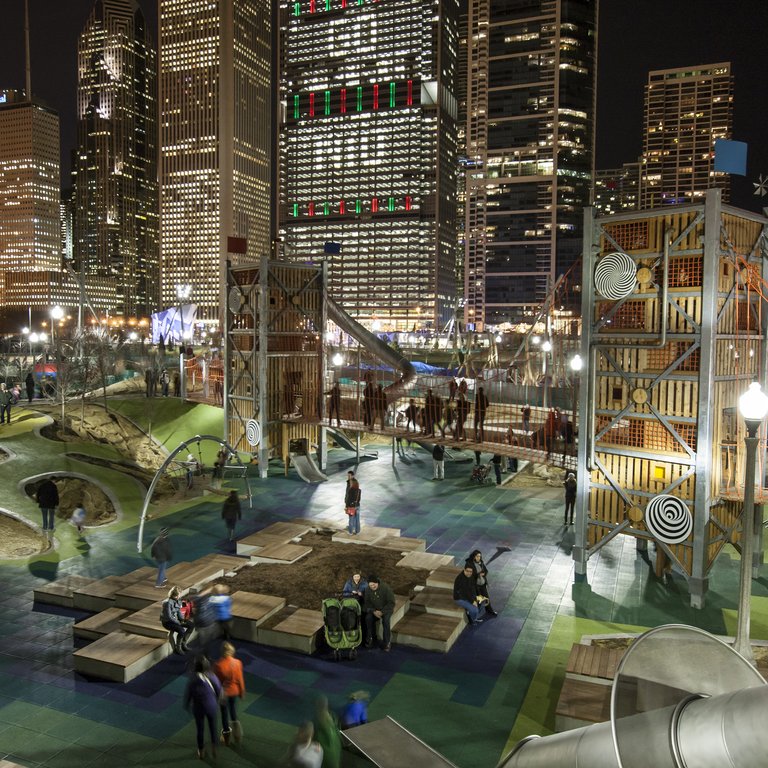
{"x": 527, "y": 417}
{"x": 229, "y": 670}
{"x": 162, "y": 554}
{"x": 334, "y": 404}
{"x": 5, "y": 403}
{"x": 29, "y": 383}
{"x": 202, "y": 697}
{"x": 462, "y": 411}
{"x": 496, "y": 461}
{"x": 48, "y": 500}
{"x": 429, "y": 414}
{"x": 352, "y": 506}
{"x": 368, "y": 398}
{"x": 378, "y": 605}
{"x": 231, "y": 512}
{"x": 481, "y": 406}
{"x": 438, "y": 462}
{"x": 570, "y": 498}
{"x": 165, "y": 381}
{"x": 380, "y": 404}
{"x": 475, "y": 559}
{"x": 173, "y": 620}
{"x": 465, "y": 595}
{"x": 411, "y": 414}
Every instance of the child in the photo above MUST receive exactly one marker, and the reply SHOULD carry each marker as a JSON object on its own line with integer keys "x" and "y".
{"x": 78, "y": 518}
{"x": 355, "y": 712}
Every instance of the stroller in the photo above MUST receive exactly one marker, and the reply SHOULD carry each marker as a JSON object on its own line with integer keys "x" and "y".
{"x": 481, "y": 474}
{"x": 342, "y": 627}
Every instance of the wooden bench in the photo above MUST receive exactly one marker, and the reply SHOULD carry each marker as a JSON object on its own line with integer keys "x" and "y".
{"x": 120, "y": 656}
{"x": 280, "y": 553}
{"x": 436, "y": 601}
{"x": 145, "y": 622}
{"x": 426, "y": 561}
{"x": 101, "y": 624}
{"x": 402, "y": 544}
{"x": 250, "y": 610}
{"x": 288, "y": 531}
{"x": 369, "y": 534}
{"x": 62, "y": 591}
{"x": 582, "y": 703}
{"x": 429, "y": 631}
{"x": 100, "y": 594}
{"x": 595, "y": 663}
{"x": 294, "y": 629}
{"x": 443, "y": 577}
{"x": 258, "y": 541}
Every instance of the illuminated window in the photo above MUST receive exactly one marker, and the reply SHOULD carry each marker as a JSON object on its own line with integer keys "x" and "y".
{"x": 391, "y": 94}
{"x": 359, "y": 98}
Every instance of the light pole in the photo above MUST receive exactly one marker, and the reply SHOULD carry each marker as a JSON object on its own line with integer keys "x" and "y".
{"x": 183, "y": 292}
{"x": 753, "y": 406}
{"x": 576, "y": 365}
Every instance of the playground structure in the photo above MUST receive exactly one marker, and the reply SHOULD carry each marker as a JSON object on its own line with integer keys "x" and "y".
{"x": 282, "y": 335}
{"x": 673, "y": 332}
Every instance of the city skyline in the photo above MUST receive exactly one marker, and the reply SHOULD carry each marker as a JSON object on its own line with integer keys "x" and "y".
{"x": 630, "y": 45}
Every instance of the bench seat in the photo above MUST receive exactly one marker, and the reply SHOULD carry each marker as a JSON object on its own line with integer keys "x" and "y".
{"x": 120, "y": 656}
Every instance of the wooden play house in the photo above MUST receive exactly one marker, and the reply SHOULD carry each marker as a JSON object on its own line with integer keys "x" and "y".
{"x": 674, "y": 332}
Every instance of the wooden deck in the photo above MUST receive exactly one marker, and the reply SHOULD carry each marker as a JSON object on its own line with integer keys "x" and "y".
{"x": 120, "y": 656}
{"x": 100, "y": 594}
{"x": 582, "y": 703}
{"x": 402, "y": 544}
{"x": 250, "y": 611}
{"x": 100, "y": 624}
{"x": 426, "y": 560}
{"x": 444, "y": 576}
{"x": 437, "y": 601}
{"x": 429, "y": 631}
{"x": 284, "y": 554}
{"x": 294, "y": 629}
{"x": 61, "y": 592}
{"x": 594, "y": 662}
{"x": 145, "y": 622}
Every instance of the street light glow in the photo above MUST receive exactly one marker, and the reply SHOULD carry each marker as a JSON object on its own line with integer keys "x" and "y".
{"x": 57, "y": 312}
{"x": 576, "y": 363}
{"x": 338, "y": 359}
{"x": 753, "y": 404}
{"x": 546, "y": 346}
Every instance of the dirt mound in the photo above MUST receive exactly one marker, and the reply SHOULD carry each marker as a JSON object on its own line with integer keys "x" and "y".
{"x": 323, "y": 571}
{"x": 73, "y": 491}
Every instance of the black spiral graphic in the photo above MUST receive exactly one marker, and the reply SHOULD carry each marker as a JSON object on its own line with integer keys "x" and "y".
{"x": 615, "y": 276}
{"x": 253, "y": 432}
{"x": 668, "y": 519}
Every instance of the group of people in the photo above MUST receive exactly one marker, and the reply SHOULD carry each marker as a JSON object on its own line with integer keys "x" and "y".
{"x": 470, "y": 589}
{"x": 450, "y": 414}
{"x": 10, "y": 394}
{"x": 374, "y": 404}
{"x": 377, "y": 604}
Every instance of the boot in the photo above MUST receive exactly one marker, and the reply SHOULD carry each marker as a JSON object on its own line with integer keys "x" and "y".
{"x": 237, "y": 731}
{"x": 225, "y": 735}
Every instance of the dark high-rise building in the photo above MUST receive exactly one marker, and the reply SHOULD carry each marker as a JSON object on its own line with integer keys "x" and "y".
{"x": 617, "y": 189}
{"x": 686, "y": 110}
{"x": 116, "y": 211}
{"x": 216, "y": 140}
{"x": 530, "y": 142}
{"x": 368, "y": 152}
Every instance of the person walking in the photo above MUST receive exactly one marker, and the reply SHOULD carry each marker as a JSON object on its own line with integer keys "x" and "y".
{"x": 29, "y": 383}
{"x": 380, "y": 404}
{"x": 229, "y": 670}
{"x": 429, "y": 414}
{"x": 165, "y": 381}
{"x": 202, "y": 697}
{"x": 438, "y": 462}
{"x": 462, "y": 411}
{"x": 378, "y": 605}
{"x": 162, "y": 554}
{"x": 222, "y": 607}
{"x": 527, "y": 417}
{"x": 570, "y": 498}
{"x": 411, "y": 415}
{"x": 334, "y": 404}
{"x": 231, "y": 512}
{"x": 48, "y": 499}
{"x": 481, "y": 406}
{"x": 475, "y": 560}
{"x": 305, "y": 752}
{"x": 368, "y": 398}
{"x": 352, "y": 506}
{"x": 327, "y": 731}
{"x": 173, "y": 620}
{"x": 496, "y": 461}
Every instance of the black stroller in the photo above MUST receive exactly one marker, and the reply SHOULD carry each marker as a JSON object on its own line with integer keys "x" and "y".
{"x": 481, "y": 473}
{"x": 343, "y": 629}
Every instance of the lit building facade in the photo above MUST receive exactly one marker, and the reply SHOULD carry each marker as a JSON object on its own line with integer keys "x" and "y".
{"x": 215, "y": 142}
{"x": 530, "y": 147}
{"x": 115, "y": 227}
{"x": 686, "y": 110}
{"x": 30, "y": 240}
{"x": 617, "y": 189}
{"x": 368, "y": 153}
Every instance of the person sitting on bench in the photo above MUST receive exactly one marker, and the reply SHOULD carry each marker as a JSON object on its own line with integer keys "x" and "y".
{"x": 378, "y": 605}
{"x": 465, "y": 594}
{"x": 173, "y": 620}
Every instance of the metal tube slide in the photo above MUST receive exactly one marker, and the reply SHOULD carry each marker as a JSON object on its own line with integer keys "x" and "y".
{"x": 374, "y": 344}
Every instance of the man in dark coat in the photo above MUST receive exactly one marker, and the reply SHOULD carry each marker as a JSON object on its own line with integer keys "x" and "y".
{"x": 570, "y": 498}
{"x": 378, "y": 605}
{"x": 462, "y": 411}
{"x": 29, "y": 383}
{"x": 429, "y": 414}
{"x": 481, "y": 406}
{"x": 231, "y": 512}
{"x": 48, "y": 500}
{"x": 334, "y": 404}
{"x": 465, "y": 594}
{"x": 438, "y": 462}
{"x": 162, "y": 554}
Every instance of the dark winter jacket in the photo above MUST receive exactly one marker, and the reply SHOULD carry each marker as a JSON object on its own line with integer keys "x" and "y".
{"x": 48, "y": 495}
{"x": 481, "y": 572}
{"x": 161, "y": 549}
{"x": 231, "y": 511}
{"x": 352, "y": 496}
{"x": 202, "y": 694}
{"x": 465, "y": 588}
{"x": 438, "y": 452}
{"x": 383, "y": 599}
{"x": 171, "y": 611}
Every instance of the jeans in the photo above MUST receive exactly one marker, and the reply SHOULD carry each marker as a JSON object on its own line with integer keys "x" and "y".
{"x": 200, "y": 719}
{"x": 474, "y": 612}
{"x": 49, "y": 516}
{"x": 439, "y": 469}
{"x": 180, "y": 631}
{"x": 161, "y": 566}
{"x": 354, "y": 522}
{"x": 370, "y": 624}
{"x": 228, "y": 712}
{"x": 497, "y": 470}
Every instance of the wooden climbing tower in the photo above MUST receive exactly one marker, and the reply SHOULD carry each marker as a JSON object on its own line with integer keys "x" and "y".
{"x": 674, "y": 328}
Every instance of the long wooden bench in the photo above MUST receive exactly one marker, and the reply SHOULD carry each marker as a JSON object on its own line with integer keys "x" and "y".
{"x": 250, "y": 611}
{"x": 62, "y": 591}
{"x": 426, "y": 560}
{"x": 100, "y": 624}
{"x": 437, "y": 601}
{"x": 145, "y": 622}
{"x": 100, "y": 594}
{"x": 402, "y": 544}
{"x": 429, "y": 631}
{"x": 284, "y": 554}
{"x": 595, "y": 663}
{"x": 120, "y": 656}
{"x": 443, "y": 577}
{"x": 294, "y": 629}
{"x": 582, "y": 703}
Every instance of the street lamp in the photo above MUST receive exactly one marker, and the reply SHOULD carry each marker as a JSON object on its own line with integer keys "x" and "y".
{"x": 183, "y": 292}
{"x": 753, "y": 406}
{"x": 56, "y": 314}
{"x": 338, "y": 359}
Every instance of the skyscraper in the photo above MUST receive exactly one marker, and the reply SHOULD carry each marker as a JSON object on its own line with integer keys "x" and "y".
{"x": 30, "y": 239}
{"x": 116, "y": 206}
{"x": 216, "y": 139}
{"x": 686, "y": 110}
{"x": 530, "y": 144}
{"x": 368, "y": 152}
{"x": 617, "y": 189}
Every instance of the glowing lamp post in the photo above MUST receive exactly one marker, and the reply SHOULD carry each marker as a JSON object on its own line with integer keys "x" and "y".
{"x": 56, "y": 314}
{"x": 753, "y": 406}
{"x": 183, "y": 292}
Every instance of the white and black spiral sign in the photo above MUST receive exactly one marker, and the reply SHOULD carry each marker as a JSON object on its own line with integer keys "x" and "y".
{"x": 253, "y": 432}
{"x": 615, "y": 276}
{"x": 668, "y": 519}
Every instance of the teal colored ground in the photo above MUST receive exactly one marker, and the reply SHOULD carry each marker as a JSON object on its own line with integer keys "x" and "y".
{"x": 499, "y": 683}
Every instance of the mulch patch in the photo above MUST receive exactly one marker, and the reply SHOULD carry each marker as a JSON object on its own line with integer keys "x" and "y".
{"x": 322, "y": 573}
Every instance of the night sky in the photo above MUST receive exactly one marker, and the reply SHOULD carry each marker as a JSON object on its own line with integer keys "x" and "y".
{"x": 635, "y": 36}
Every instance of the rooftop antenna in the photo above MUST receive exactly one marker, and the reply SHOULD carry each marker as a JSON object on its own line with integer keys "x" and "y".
{"x": 28, "y": 83}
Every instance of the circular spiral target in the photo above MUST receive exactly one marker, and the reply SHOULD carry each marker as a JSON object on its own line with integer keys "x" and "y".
{"x": 253, "y": 432}
{"x": 668, "y": 519}
{"x": 615, "y": 276}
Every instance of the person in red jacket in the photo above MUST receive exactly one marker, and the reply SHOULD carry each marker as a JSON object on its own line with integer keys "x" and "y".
{"x": 229, "y": 670}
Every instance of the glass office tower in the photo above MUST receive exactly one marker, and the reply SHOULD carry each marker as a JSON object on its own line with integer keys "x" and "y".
{"x": 368, "y": 153}
{"x": 530, "y": 144}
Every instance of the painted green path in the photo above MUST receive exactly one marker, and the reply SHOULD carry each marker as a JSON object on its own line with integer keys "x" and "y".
{"x": 499, "y": 682}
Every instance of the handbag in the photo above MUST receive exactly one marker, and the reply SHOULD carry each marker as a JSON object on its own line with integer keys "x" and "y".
{"x": 351, "y": 511}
